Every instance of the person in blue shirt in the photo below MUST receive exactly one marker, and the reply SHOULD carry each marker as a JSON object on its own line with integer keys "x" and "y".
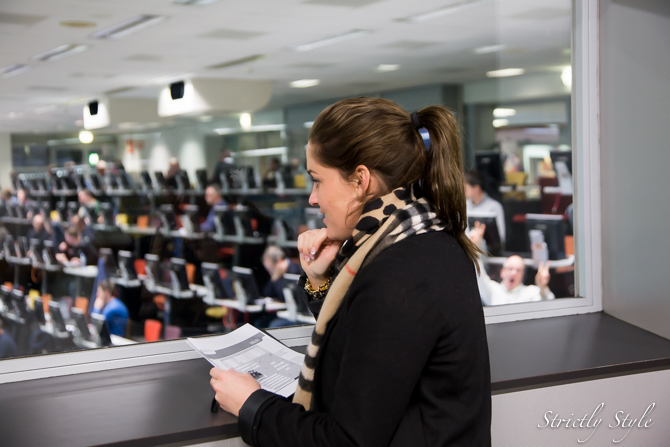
{"x": 7, "y": 345}
{"x": 213, "y": 198}
{"x": 114, "y": 311}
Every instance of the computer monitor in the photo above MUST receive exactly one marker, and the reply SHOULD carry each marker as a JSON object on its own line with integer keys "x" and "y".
{"x": 160, "y": 180}
{"x": 189, "y": 219}
{"x": 291, "y": 281}
{"x": 178, "y": 275}
{"x": 490, "y": 164}
{"x": 107, "y": 213}
{"x": 111, "y": 267}
{"x": 6, "y": 294}
{"x": 243, "y": 213}
{"x": 8, "y": 245}
{"x": 201, "y": 179}
{"x": 183, "y": 181}
{"x": 22, "y": 246}
{"x": 491, "y": 233}
{"x": 36, "y": 246}
{"x": 96, "y": 182}
{"x": 98, "y": 321}
{"x": 19, "y": 304}
{"x": 19, "y": 211}
{"x": 57, "y": 316}
{"x": 127, "y": 265}
{"x": 79, "y": 180}
{"x": 246, "y": 279}
{"x": 223, "y": 220}
{"x": 146, "y": 179}
{"x": 168, "y": 217}
{"x": 123, "y": 180}
{"x": 61, "y": 209}
{"x": 153, "y": 268}
{"x": 38, "y": 305}
{"x": 553, "y": 228}
{"x": 213, "y": 280}
{"x": 45, "y": 208}
{"x": 49, "y": 254}
{"x": 564, "y": 156}
{"x": 79, "y": 318}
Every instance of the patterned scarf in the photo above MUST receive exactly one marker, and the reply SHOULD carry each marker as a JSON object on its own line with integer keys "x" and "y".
{"x": 389, "y": 219}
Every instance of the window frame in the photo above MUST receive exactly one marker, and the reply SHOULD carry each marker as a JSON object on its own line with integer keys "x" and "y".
{"x": 588, "y": 262}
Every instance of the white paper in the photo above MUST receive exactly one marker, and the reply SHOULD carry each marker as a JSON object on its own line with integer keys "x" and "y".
{"x": 248, "y": 350}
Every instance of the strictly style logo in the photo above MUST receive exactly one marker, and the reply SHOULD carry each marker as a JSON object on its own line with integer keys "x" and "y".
{"x": 620, "y": 419}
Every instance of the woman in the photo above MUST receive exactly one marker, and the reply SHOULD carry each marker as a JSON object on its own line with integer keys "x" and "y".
{"x": 398, "y": 356}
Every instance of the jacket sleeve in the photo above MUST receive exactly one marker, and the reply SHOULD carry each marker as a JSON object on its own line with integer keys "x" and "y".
{"x": 390, "y": 335}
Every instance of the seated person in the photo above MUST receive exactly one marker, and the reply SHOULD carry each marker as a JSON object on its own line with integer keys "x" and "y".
{"x": 40, "y": 229}
{"x": 75, "y": 250}
{"x": 89, "y": 206}
{"x": 225, "y": 166}
{"x": 7, "y": 345}
{"x": 174, "y": 171}
{"x": 270, "y": 176}
{"x": 213, "y": 198}
{"x": 478, "y": 200}
{"x": 276, "y": 263}
{"x": 511, "y": 289}
{"x": 110, "y": 307}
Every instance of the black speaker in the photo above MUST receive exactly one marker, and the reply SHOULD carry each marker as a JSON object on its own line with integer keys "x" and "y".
{"x": 93, "y": 108}
{"x": 177, "y": 90}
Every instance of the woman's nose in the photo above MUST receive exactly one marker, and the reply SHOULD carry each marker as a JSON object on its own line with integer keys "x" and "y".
{"x": 312, "y": 198}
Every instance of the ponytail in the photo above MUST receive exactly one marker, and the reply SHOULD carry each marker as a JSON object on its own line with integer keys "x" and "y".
{"x": 442, "y": 180}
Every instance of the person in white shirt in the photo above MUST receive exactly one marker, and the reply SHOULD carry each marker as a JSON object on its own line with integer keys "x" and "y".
{"x": 510, "y": 290}
{"x": 479, "y": 201}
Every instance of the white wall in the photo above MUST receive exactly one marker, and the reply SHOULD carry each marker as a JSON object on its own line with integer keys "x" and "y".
{"x": 635, "y": 161}
{"x": 6, "y": 157}
{"x": 516, "y": 416}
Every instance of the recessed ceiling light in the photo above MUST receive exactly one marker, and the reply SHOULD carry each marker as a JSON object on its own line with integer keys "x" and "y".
{"x": 60, "y": 52}
{"x": 435, "y": 13}
{"x": 505, "y": 72}
{"x": 13, "y": 70}
{"x": 245, "y": 120}
{"x": 388, "y": 67}
{"x": 500, "y": 122}
{"x": 489, "y": 49}
{"x": 77, "y": 24}
{"x": 86, "y": 137}
{"x": 566, "y": 76}
{"x": 128, "y": 27}
{"x": 332, "y": 40}
{"x": 503, "y": 113}
{"x": 304, "y": 83}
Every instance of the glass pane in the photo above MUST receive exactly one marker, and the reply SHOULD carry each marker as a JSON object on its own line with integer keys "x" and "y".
{"x": 179, "y": 261}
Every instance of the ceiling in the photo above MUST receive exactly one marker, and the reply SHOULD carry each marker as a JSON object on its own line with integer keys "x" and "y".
{"x": 193, "y": 40}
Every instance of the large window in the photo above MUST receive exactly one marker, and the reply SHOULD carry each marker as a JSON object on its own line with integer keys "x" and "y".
{"x": 513, "y": 72}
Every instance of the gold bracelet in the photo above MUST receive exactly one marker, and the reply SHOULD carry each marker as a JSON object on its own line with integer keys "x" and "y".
{"x": 322, "y": 288}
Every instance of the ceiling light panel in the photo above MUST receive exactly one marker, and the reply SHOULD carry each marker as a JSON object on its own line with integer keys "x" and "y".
{"x": 331, "y": 40}
{"x": 60, "y": 52}
{"x": 13, "y": 70}
{"x": 505, "y": 72}
{"x": 388, "y": 67}
{"x": 129, "y": 27}
{"x": 195, "y": 2}
{"x": 231, "y": 34}
{"x": 489, "y": 49}
{"x": 453, "y": 8}
{"x": 305, "y": 83}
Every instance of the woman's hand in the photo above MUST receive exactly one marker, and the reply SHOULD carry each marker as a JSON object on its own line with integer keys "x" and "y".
{"x": 232, "y": 388}
{"x": 317, "y": 254}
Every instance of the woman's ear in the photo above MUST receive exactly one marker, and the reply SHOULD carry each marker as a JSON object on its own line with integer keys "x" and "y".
{"x": 361, "y": 179}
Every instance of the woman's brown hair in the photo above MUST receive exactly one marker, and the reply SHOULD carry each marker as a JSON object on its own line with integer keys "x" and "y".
{"x": 379, "y": 134}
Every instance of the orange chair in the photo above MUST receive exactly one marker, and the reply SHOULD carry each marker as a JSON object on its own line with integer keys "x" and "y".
{"x": 45, "y": 302}
{"x": 142, "y": 221}
{"x": 140, "y": 266}
{"x": 9, "y": 285}
{"x": 152, "y": 330}
{"x": 159, "y": 301}
{"x": 81, "y": 303}
{"x": 190, "y": 272}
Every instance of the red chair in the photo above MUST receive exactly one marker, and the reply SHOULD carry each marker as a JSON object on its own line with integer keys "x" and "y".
{"x": 152, "y": 330}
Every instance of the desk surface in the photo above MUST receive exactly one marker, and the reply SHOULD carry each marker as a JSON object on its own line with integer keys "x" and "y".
{"x": 169, "y": 403}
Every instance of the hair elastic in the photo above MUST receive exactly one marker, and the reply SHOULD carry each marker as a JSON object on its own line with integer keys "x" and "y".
{"x": 415, "y": 121}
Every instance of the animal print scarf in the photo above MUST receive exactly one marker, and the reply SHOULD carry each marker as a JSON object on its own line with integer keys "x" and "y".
{"x": 389, "y": 219}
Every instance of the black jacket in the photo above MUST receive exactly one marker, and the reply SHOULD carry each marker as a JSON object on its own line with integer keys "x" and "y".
{"x": 404, "y": 362}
